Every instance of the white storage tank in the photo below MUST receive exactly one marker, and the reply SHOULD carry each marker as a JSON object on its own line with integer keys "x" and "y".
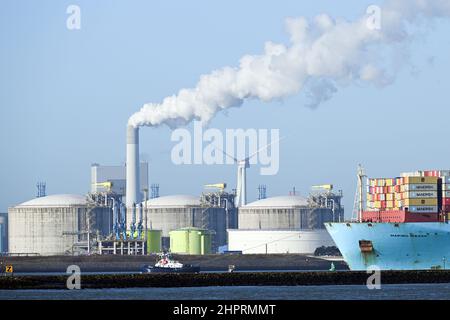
{"x": 283, "y": 213}
{"x": 51, "y": 225}
{"x": 278, "y": 241}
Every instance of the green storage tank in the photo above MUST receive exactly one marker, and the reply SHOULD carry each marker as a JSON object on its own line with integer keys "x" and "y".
{"x": 153, "y": 241}
{"x": 195, "y": 241}
{"x": 206, "y": 243}
{"x": 179, "y": 241}
{"x": 190, "y": 241}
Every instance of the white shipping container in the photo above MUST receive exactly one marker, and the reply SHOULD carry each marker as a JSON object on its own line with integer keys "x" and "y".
{"x": 444, "y": 173}
{"x": 412, "y": 174}
{"x": 446, "y": 194}
{"x": 423, "y": 209}
{"x": 446, "y": 187}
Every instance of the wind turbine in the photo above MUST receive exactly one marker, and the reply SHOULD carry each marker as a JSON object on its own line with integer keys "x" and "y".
{"x": 243, "y": 164}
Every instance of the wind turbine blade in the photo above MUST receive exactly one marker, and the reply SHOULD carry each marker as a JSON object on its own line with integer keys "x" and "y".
{"x": 229, "y": 156}
{"x": 264, "y": 147}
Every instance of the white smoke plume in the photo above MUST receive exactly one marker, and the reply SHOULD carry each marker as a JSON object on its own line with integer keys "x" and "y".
{"x": 323, "y": 54}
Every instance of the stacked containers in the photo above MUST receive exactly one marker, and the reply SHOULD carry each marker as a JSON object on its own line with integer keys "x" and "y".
{"x": 446, "y": 193}
{"x": 413, "y": 193}
{"x": 381, "y": 194}
{"x": 443, "y": 187}
{"x": 419, "y": 194}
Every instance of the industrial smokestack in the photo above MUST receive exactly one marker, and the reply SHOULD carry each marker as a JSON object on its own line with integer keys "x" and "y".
{"x": 133, "y": 184}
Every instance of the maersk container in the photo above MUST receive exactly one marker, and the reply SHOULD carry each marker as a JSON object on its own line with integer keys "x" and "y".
{"x": 423, "y": 209}
{"x": 419, "y": 187}
{"x": 420, "y": 180}
{"x": 418, "y": 202}
{"x": 420, "y": 194}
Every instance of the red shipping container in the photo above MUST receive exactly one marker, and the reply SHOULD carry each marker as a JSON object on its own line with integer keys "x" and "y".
{"x": 398, "y": 216}
{"x": 445, "y": 201}
{"x": 431, "y": 173}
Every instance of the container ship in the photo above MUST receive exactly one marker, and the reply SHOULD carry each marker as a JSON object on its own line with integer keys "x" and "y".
{"x": 402, "y": 224}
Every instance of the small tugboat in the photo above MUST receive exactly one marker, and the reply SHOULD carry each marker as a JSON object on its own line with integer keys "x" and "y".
{"x": 168, "y": 265}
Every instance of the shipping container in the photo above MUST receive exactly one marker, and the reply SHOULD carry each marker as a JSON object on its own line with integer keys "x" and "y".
{"x": 420, "y": 180}
{"x": 398, "y": 216}
{"x": 411, "y": 174}
{"x": 446, "y": 201}
{"x": 418, "y": 202}
{"x": 419, "y": 194}
{"x": 418, "y": 187}
{"x": 424, "y": 209}
{"x": 431, "y": 173}
{"x": 446, "y": 187}
{"x": 446, "y": 180}
{"x": 444, "y": 173}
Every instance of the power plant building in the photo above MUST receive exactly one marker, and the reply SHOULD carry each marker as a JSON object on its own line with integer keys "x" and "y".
{"x": 56, "y": 225}
{"x": 116, "y": 175}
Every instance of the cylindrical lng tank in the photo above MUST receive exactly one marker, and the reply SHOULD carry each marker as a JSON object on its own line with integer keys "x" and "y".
{"x": 51, "y": 225}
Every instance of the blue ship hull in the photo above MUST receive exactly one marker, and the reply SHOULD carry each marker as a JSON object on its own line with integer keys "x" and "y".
{"x": 393, "y": 246}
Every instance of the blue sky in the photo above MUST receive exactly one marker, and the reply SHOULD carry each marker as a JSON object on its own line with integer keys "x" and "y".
{"x": 65, "y": 96}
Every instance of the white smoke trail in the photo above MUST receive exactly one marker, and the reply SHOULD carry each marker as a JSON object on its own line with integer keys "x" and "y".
{"x": 322, "y": 54}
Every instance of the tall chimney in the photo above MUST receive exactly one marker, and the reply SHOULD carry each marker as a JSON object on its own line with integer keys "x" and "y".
{"x": 133, "y": 184}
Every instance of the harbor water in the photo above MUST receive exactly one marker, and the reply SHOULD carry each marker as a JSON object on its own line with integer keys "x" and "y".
{"x": 343, "y": 292}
